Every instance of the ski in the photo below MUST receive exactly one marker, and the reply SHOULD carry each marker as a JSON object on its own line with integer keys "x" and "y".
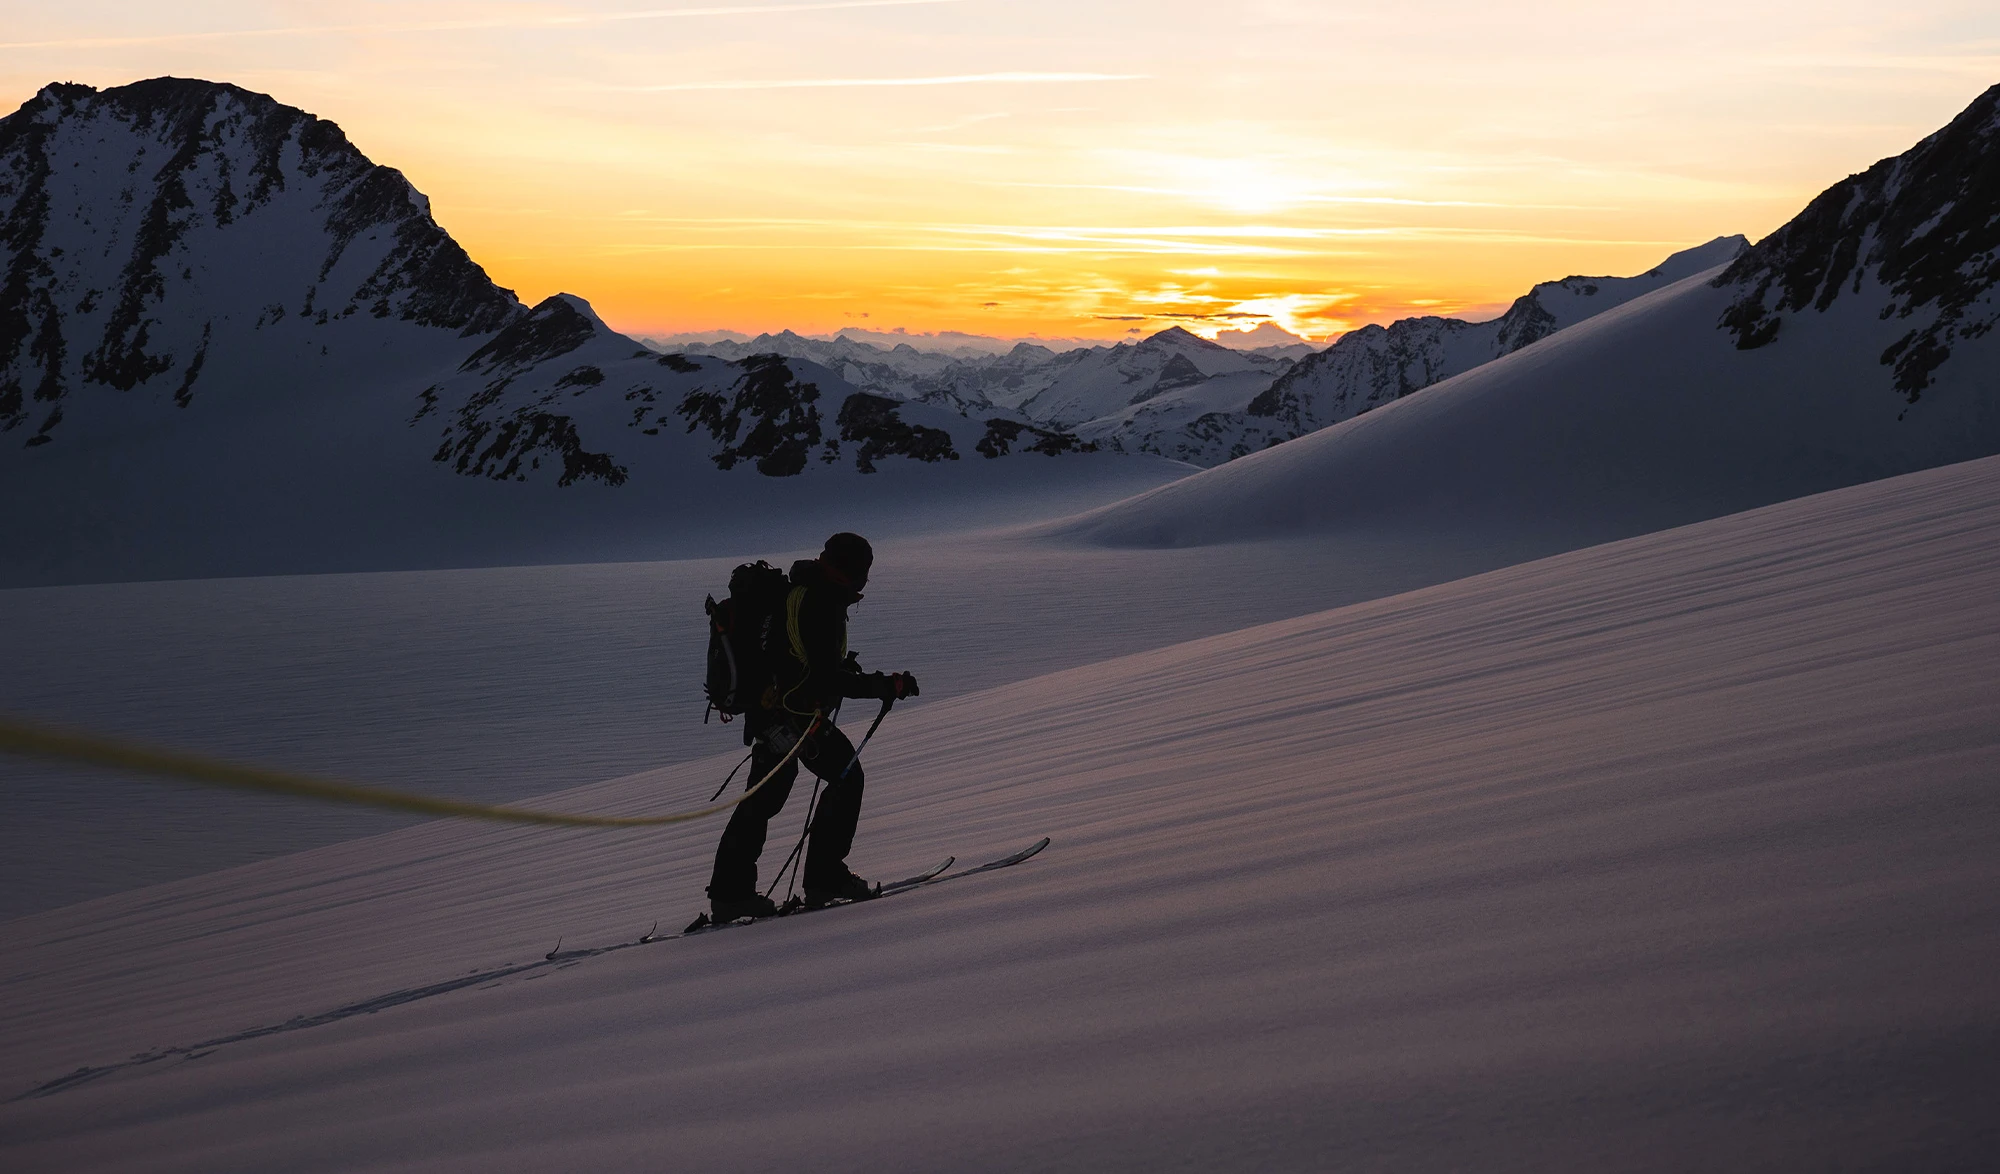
{"x": 1004, "y": 861}
{"x": 937, "y": 875}
{"x": 796, "y": 905}
{"x": 920, "y": 878}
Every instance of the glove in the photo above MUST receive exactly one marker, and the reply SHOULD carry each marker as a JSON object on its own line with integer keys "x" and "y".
{"x": 905, "y": 685}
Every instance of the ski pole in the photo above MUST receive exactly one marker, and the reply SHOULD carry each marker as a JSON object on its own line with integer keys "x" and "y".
{"x": 813, "y": 804}
{"x": 872, "y": 727}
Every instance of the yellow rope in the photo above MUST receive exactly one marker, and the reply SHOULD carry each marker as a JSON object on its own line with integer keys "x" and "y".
{"x": 20, "y": 737}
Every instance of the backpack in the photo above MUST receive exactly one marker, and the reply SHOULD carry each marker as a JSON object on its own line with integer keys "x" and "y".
{"x": 740, "y": 638}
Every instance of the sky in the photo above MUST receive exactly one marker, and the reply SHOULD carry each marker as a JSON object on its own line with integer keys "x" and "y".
{"x": 1082, "y": 168}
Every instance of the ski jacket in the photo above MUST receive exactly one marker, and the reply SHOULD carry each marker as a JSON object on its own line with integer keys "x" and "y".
{"x": 817, "y": 673}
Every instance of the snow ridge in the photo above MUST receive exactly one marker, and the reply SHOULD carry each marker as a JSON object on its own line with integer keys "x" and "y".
{"x": 1376, "y": 364}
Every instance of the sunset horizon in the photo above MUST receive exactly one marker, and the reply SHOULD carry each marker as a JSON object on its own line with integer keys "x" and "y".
{"x": 1045, "y": 171}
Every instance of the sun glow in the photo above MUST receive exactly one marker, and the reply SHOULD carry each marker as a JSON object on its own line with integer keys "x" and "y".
{"x": 1063, "y": 169}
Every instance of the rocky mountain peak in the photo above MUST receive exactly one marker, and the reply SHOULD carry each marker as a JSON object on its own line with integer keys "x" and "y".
{"x": 557, "y": 325}
{"x": 1180, "y": 337}
{"x": 1920, "y": 225}
{"x": 143, "y": 224}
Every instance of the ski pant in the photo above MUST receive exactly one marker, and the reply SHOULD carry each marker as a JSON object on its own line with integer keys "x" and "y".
{"x": 828, "y": 754}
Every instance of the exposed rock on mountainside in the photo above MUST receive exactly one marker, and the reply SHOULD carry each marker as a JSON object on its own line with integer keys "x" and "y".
{"x": 508, "y": 444}
{"x": 1178, "y": 373}
{"x": 768, "y": 416}
{"x": 1001, "y": 434}
{"x": 146, "y": 229}
{"x": 874, "y": 424}
{"x": 614, "y": 410}
{"x": 1923, "y": 226}
{"x": 555, "y": 328}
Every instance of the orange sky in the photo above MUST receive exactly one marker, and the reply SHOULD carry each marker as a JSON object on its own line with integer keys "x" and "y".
{"x": 1019, "y": 167}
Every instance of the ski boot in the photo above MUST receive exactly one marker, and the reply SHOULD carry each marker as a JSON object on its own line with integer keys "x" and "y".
{"x": 723, "y": 910}
{"x": 847, "y": 887}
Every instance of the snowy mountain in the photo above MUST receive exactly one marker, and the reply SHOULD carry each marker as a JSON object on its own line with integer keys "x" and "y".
{"x": 229, "y": 342}
{"x": 1096, "y": 384}
{"x": 1124, "y": 397}
{"x": 178, "y": 236}
{"x": 1852, "y": 344}
{"x": 902, "y": 371}
{"x": 1917, "y": 236}
{"x": 615, "y": 413}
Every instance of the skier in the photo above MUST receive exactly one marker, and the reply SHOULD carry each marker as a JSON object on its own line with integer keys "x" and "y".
{"x": 815, "y": 676}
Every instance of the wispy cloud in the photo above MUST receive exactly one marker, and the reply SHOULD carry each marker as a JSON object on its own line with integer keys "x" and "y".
{"x": 817, "y": 83}
{"x": 1977, "y": 58}
{"x": 961, "y": 123}
{"x": 1301, "y": 199}
{"x": 1198, "y": 240}
{"x": 585, "y": 20}
{"x": 1193, "y": 193}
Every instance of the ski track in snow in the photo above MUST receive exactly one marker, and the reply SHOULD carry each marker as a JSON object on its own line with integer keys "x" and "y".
{"x": 557, "y": 958}
{"x": 1670, "y": 853}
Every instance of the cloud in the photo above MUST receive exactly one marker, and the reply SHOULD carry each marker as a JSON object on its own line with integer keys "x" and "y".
{"x": 957, "y": 79}
{"x": 436, "y": 26}
{"x": 1304, "y": 198}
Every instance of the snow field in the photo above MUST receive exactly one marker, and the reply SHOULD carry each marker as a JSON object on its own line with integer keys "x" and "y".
{"x": 1671, "y": 853}
{"x": 503, "y": 683}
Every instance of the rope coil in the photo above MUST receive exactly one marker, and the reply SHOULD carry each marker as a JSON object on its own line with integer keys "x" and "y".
{"x": 19, "y": 737}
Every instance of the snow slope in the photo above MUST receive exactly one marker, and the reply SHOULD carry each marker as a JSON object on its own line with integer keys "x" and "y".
{"x": 1672, "y": 853}
{"x": 1374, "y": 365}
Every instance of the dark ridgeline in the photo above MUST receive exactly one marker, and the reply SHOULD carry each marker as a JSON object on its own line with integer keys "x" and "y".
{"x": 1923, "y": 226}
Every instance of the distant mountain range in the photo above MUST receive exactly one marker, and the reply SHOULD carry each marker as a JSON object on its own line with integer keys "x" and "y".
{"x": 1180, "y": 396}
{"x": 231, "y": 343}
